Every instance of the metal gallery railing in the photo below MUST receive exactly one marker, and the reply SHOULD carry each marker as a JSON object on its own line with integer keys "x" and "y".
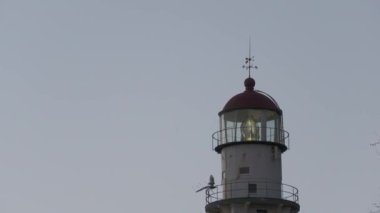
{"x": 252, "y": 189}
{"x": 249, "y": 134}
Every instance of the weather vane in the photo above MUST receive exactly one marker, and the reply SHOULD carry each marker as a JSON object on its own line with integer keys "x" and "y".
{"x": 248, "y": 61}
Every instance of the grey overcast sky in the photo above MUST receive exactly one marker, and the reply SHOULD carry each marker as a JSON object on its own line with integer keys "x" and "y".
{"x": 109, "y": 106}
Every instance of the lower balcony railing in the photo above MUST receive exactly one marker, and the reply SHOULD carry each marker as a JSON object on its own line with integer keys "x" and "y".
{"x": 252, "y": 189}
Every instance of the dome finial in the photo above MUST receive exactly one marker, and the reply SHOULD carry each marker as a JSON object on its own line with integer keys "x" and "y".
{"x": 249, "y": 84}
{"x": 248, "y": 61}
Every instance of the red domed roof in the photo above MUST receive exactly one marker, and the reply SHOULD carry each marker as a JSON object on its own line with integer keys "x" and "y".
{"x": 251, "y": 99}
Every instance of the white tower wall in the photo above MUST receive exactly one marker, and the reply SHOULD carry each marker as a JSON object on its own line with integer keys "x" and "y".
{"x": 251, "y": 170}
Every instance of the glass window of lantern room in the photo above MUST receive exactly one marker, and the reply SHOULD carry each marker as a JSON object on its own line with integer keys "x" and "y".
{"x": 273, "y": 126}
{"x": 271, "y": 130}
{"x": 280, "y": 134}
{"x": 250, "y": 125}
{"x": 228, "y": 122}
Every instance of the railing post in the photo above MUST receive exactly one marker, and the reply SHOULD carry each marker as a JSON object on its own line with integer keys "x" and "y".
{"x": 217, "y": 193}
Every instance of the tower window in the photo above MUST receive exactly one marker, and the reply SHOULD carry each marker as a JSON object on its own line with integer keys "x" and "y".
{"x": 244, "y": 170}
{"x": 261, "y": 211}
{"x": 252, "y": 188}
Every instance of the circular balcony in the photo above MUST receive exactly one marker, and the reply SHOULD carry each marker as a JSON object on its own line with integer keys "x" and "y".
{"x": 252, "y": 189}
{"x": 239, "y": 135}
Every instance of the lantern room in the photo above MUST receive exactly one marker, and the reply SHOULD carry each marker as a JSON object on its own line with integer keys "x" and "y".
{"x": 250, "y": 117}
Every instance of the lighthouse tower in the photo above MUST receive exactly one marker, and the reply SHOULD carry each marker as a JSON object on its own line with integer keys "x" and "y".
{"x": 251, "y": 141}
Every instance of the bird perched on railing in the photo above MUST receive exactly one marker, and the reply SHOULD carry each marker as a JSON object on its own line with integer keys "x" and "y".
{"x": 211, "y": 184}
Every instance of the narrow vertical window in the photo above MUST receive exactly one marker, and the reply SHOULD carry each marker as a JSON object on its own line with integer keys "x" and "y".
{"x": 252, "y": 188}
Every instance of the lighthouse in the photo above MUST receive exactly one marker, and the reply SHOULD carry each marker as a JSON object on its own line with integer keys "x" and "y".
{"x": 250, "y": 141}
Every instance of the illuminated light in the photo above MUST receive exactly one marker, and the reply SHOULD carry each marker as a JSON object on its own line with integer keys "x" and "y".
{"x": 248, "y": 129}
